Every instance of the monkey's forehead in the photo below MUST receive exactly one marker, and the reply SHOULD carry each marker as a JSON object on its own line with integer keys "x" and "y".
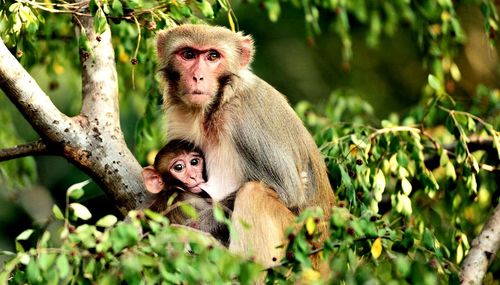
{"x": 201, "y": 36}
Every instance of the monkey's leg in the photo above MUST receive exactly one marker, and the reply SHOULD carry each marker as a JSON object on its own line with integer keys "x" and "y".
{"x": 260, "y": 219}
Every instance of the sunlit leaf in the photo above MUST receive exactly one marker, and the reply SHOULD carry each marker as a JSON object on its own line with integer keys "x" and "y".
{"x": 80, "y": 211}
{"x": 107, "y": 221}
{"x": 379, "y": 185}
{"x": 460, "y": 253}
{"x": 435, "y": 83}
{"x": 406, "y": 186}
{"x": 231, "y": 22}
{"x": 75, "y": 191}
{"x": 25, "y": 234}
{"x": 450, "y": 171}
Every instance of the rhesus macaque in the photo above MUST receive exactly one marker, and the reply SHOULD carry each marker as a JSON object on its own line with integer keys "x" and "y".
{"x": 179, "y": 172}
{"x": 251, "y": 137}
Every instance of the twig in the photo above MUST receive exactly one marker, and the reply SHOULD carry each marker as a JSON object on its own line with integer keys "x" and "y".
{"x": 35, "y": 148}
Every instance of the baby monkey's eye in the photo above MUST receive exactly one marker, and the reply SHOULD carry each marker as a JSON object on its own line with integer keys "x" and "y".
{"x": 195, "y": 161}
{"x": 178, "y": 167}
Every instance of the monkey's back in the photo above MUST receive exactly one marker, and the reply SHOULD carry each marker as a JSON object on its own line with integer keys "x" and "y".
{"x": 293, "y": 165}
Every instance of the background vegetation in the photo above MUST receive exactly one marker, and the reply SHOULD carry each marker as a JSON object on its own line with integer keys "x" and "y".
{"x": 402, "y": 98}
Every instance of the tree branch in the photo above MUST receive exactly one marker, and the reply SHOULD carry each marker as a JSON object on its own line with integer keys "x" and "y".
{"x": 30, "y": 99}
{"x": 483, "y": 251}
{"x": 99, "y": 77}
{"x": 35, "y": 148}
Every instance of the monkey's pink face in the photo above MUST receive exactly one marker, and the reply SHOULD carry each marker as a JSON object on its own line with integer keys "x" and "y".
{"x": 200, "y": 69}
{"x": 188, "y": 168}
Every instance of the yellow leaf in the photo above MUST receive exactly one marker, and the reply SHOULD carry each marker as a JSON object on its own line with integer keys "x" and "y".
{"x": 123, "y": 57}
{"x": 231, "y": 22}
{"x": 460, "y": 253}
{"x": 310, "y": 274}
{"x": 377, "y": 248}
{"x": 58, "y": 69}
{"x": 310, "y": 226}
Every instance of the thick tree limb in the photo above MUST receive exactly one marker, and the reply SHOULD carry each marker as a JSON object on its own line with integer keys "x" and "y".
{"x": 111, "y": 163}
{"x": 93, "y": 140}
{"x": 30, "y": 99}
{"x": 35, "y": 148}
{"x": 483, "y": 251}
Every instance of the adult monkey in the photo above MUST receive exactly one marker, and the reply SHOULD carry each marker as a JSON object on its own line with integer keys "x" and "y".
{"x": 247, "y": 130}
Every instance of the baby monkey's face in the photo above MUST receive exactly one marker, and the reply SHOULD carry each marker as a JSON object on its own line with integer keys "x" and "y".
{"x": 188, "y": 168}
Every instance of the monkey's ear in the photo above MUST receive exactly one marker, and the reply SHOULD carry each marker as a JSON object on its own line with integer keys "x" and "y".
{"x": 160, "y": 43}
{"x": 247, "y": 51}
{"x": 152, "y": 180}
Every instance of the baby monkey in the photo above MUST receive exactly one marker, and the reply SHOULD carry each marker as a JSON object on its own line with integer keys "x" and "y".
{"x": 178, "y": 176}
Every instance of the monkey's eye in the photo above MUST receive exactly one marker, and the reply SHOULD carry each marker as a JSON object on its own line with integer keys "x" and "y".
{"x": 178, "y": 167}
{"x": 213, "y": 55}
{"x": 195, "y": 161}
{"x": 188, "y": 53}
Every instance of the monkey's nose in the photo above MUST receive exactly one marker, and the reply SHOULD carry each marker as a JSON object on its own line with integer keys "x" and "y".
{"x": 197, "y": 78}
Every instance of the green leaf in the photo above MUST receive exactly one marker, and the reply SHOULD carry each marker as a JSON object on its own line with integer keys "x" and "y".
{"x": 224, "y": 4}
{"x": 80, "y": 211}
{"x": 57, "y": 212}
{"x": 45, "y": 239}
{"x": 450, "y": 171}
{"x": 435, "y": 83}
{"x": 273, "y": 9}
{"x": 33, "y": 273}
{"x": 403, "y": 265}
{"x": 84, "y": 44}
{"x": 46, "y": 260}
{"x": 100, "y": 22}
{"x": 471, "y": 182}
{"x": 75, "y": 191}
{"x": 62, "y": 264}
{"x": 205, "y": 8}
{"x": 123, "y": 235}
{"x": 444, "y": 159}
{"x": 428, "y": 240}
{"x": 107, "y": 221}
{"x": 117, "y": 8}
{"x": 219, "y": 213}
{"x": 189, "y": 210}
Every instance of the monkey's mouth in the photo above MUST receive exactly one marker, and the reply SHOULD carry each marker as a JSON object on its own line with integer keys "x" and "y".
{"x": 195, "y": 188}
{"x": 198, "y": 97}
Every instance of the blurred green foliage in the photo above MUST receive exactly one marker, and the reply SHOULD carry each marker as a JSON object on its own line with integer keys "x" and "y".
{"x": 414, "y": 189}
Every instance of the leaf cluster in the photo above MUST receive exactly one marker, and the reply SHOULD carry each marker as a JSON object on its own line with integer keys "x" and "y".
{"x": 143, "y": 249}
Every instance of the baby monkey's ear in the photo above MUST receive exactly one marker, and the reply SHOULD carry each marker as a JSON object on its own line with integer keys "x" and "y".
{"x": 152, "y": 179}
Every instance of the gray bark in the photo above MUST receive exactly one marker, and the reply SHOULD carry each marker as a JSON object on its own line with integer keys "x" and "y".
{"x": 483, "y": 251}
